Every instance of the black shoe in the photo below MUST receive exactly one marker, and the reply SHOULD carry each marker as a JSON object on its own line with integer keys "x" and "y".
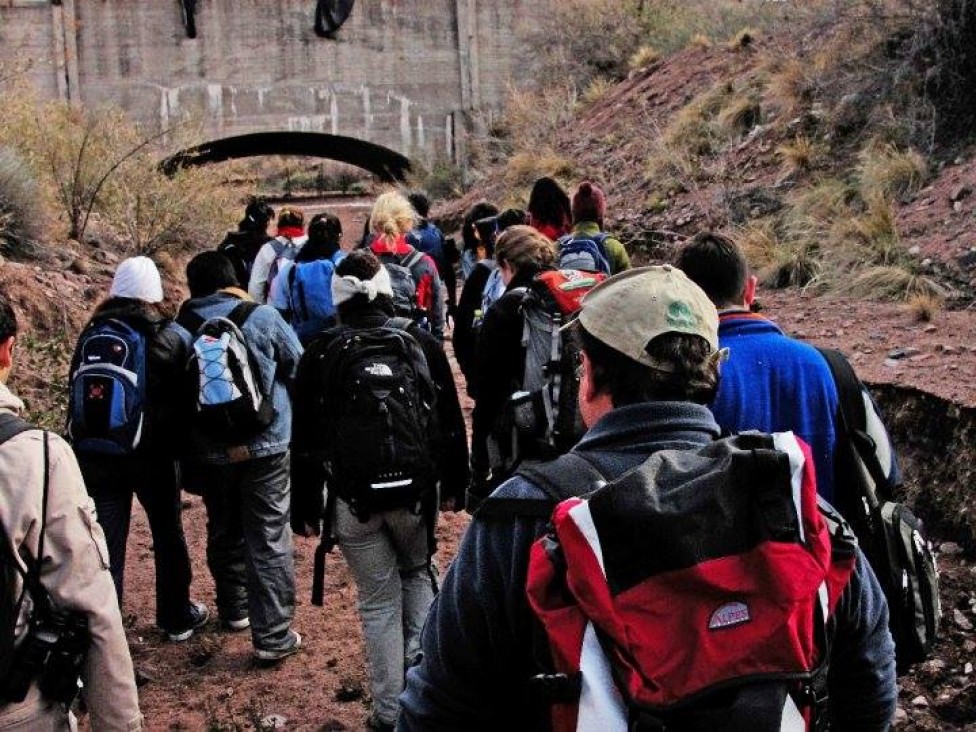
{"x": 199, "y": 615}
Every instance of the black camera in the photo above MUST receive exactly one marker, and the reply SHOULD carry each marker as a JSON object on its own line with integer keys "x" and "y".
{"x": 53, "y": 653}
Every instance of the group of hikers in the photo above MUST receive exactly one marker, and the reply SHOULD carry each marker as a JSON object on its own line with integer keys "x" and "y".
{"x": 674, "y": 503}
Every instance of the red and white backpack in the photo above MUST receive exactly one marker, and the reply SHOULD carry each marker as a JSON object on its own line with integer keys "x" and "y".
{"x": 693, "y": 592}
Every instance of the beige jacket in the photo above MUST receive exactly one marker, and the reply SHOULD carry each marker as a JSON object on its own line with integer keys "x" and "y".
{"x": 75, "y": 570}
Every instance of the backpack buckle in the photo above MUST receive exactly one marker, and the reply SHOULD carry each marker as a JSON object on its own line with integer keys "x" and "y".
{"x": 557, "y": 688}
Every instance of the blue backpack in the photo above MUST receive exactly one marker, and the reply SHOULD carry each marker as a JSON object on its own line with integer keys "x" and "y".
{"x": 309, "y": 295}
{"x": 108, "y": 389}
{"x": 584, "y": 253}
{"x": 428, "y": 239}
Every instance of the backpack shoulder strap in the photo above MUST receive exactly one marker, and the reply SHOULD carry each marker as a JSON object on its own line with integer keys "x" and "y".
{"x": 399, "y": 322}
{"x": 241, "y": 312}
{"x": 411, "y": 258}
{"x": 11, "y": 425}
{"x": 567, "y": 476}
{"x": 190, "y": 319}
{"x": 848, "y": 388}
{"x": 853, "y": 418}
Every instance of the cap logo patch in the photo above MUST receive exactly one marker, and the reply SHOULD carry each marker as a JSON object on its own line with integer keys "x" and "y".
{"x": 729, "y": 615}
{"x": 680, "y": 315}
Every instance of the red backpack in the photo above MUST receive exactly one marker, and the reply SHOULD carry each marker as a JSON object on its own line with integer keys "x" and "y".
{"x": 692, "y": 592}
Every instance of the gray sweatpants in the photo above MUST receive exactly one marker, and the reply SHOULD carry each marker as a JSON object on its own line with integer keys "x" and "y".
{"x": 388, "y": 558}
{"x": 249, "y": 546}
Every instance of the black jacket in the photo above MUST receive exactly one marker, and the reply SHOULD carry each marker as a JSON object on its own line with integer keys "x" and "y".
{"x": 241, "y": 247}
{"x": 499, "y": 365}
{"x": 168, "y": 350}
{"x": 308, "y": 474}
{"x": 465, "y": 337}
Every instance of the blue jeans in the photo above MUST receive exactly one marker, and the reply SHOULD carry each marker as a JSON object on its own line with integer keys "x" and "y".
{"x": 249, "y": 545}
{"x": 111, "y": 484}
{"x": 388, "y": 557}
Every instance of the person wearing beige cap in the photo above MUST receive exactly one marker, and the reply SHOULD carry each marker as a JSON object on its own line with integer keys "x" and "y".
{"x": 649, "y": 365}
{"x": 125, "y": 430}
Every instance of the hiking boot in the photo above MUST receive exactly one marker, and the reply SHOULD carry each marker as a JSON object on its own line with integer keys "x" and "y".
{"x": 236, "y": 625}
{"x": 272, "y": 655}
{"x": 199, "y": 615}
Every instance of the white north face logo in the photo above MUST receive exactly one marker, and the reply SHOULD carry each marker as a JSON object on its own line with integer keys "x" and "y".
{"x": 378, "y": 369}
{"x": 729, "y": 615}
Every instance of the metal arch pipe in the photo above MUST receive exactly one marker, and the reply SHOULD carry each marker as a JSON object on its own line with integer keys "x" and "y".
{"x": 389, "y": 165}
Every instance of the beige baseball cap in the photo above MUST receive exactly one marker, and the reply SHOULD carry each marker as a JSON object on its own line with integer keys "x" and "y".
{"x": 631, "y": 309}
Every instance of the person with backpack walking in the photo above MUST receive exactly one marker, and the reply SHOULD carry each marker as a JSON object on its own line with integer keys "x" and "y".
{"x": 242, "y": 246}
{"x": 482, "y": 287}
{"x": 57, "y": 617}
{"x": 549, "y": 208}
{"x": 127, "y": 432}
{"x": 282, "y": 248}
{"x": 243, "y": 359}
{"x": 377, "y": 420}
{"x": 417, "y": 288}
{"x": 588, "y": 246}
{"x": 524, "y": 391}
{"x": 774, "y": 383}
{"x": 657, "y": 576}
{"x": 305, "y": 295}
{"x": 427, "y": 237}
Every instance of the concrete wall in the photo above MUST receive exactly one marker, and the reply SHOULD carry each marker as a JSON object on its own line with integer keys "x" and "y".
{"x": 399, "y": 74}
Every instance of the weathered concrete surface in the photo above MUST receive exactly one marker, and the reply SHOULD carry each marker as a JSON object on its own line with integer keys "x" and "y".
{"x": 402, "y": 73}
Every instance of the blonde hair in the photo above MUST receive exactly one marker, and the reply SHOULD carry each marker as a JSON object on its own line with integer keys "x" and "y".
{"x": 392, "y": 216}
{"x": 523, "y": 247}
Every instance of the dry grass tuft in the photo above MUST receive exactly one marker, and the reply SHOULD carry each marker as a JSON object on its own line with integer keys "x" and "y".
{"x": 644, "y": 57}
{"x": 596, "y": 90}
{"x": 894, "y": 282}
{"x": 800, "y": 155}
{"x": 743, "y": 40}
{"x": 887, "y": 171}
{"x": 740, "y": 114}
{"x": 791, "y": 87}
{"x": 700, "y": 41}
{"x": 525, "y": 167}
{"x": 924, "y": 306}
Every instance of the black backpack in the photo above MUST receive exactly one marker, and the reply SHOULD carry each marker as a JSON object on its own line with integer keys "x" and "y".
{"x": 377, "y": 415}
{"x": 404, "y": 286}
{"x": 891, "y": 536}
{"x": 11, "y": 603}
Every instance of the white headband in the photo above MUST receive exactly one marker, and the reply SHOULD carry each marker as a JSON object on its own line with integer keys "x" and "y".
{"x": 347, "y": 286}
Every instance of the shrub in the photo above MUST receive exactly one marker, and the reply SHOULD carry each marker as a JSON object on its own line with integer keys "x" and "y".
{"x": 894, "y": 283}
{"x": 20, "y": 212}
{"x": 525, "y": 167}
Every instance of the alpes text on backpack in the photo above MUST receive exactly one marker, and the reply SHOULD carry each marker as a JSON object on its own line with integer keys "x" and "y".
{"x": 891, "y": 536}
{"x": 107, "y": 399}
{"x": 229, "y": 400}
{"x": 542, "y": 420}
{"x": 378, "y": 426}
{"x": 693, "y": 592}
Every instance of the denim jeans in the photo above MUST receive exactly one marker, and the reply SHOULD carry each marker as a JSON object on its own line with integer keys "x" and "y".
{"x": 388, "y": 557}
{"x": 111, "y": 484}
{"x": 249, "y": 545}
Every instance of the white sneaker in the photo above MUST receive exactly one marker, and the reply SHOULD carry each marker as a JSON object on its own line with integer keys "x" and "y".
{"x": 276, "y": 654}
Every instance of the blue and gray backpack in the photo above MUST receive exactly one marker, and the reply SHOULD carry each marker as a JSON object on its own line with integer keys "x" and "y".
{"x": 108, "y": 389}
{"x": 587, "y": 253}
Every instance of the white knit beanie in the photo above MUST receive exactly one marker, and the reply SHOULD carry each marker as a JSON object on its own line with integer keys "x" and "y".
{"x": 347, "y": 286}
{"x": 138, "y": 278}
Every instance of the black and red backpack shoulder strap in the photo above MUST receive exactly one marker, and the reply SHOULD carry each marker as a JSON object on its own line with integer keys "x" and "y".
{"x": 241, "y": 312}
{"x": 567, "y": 476}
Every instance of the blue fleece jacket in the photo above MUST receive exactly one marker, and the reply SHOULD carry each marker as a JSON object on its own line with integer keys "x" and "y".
{"x": 773, "y": 383}
{"x": 478, "y": 648}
